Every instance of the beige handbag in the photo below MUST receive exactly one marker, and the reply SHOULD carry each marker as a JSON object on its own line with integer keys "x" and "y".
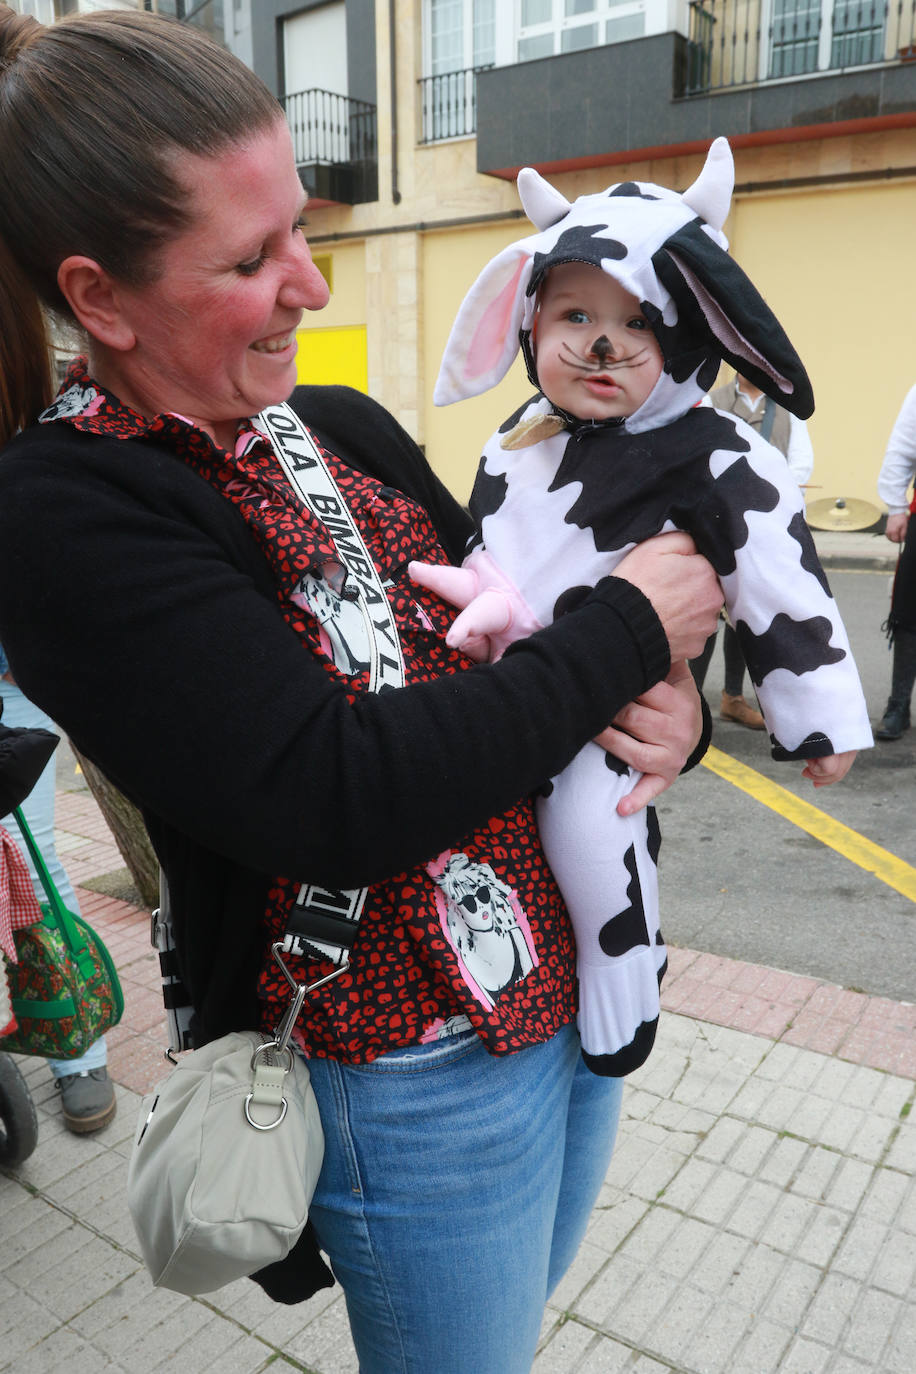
{"x": 226, "y": 1158}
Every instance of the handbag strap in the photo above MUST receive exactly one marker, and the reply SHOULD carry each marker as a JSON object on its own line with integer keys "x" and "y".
{"x": 74, "y": 937}
{"x": 324, "y": 920}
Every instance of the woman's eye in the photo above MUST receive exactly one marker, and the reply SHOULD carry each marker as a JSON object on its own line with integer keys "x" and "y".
{"x": 248, "y": 269}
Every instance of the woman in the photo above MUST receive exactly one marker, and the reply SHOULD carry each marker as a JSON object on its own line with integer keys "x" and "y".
{"x": 160, "y": 586}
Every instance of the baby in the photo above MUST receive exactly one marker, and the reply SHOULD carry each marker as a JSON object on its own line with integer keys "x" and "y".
{"x": 625, "y": 303}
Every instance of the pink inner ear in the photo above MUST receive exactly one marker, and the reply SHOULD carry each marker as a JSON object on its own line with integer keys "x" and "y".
{"x": 488, "y": 344}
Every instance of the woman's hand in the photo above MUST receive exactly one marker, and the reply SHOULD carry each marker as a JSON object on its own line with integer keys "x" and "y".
{"x": 682, "y": 587}
{"x": 656, "y": 734}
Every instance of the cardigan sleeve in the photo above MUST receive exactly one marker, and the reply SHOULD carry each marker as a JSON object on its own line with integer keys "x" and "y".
{"x": 137, "y": 610}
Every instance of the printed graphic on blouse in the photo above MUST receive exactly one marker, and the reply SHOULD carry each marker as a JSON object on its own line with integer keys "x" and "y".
{"x": 483, "y": 922}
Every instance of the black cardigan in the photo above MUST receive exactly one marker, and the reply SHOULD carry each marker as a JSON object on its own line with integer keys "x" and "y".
{"x": 137, "y": 610}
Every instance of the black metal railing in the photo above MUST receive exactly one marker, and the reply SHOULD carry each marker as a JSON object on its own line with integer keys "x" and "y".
{"x": 331, "y": 129}
{"x": 448, "y": 104}
{"x": 730, "y": 44}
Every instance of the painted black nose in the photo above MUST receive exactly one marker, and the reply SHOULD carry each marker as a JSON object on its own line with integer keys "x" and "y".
{"x": 602, "y": 347}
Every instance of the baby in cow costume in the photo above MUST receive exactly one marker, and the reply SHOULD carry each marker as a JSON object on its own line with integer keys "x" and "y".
{"x": 625, "y": 303}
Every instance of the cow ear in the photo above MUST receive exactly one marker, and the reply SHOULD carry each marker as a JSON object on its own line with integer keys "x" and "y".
{"x": 717, "y": 301}
{"x": 484, "y": 338}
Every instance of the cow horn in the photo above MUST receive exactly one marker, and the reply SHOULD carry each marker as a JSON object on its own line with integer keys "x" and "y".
{"x": 543, "y": 204}
{"x": 711, "y": 194}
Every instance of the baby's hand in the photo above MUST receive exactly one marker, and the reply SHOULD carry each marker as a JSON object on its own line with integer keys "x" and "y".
{"x": 833, "y": 768}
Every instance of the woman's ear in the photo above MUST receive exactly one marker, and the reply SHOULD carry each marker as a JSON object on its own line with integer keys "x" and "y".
{"x": 95, "y": 299}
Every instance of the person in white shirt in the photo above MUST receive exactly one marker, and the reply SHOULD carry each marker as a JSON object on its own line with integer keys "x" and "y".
{"x": 894, "y": 482}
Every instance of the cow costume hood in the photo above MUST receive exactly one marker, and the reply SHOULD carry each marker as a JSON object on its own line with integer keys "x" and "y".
{"x": 665, "y": 248}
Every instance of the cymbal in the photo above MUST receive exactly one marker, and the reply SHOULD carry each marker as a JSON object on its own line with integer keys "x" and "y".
{"x": 842, "y": 513}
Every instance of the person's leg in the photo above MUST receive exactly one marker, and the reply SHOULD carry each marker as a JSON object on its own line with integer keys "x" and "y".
{"x": 901, "y": 625}
{"x": 438, "y": 1199}
{"x": 594, "y": 1113}
{"x": 896, "y": 717}
{"x": 87, "y": 1097}
{"x": 699, "y": 666}
{"x": 606, "y": 868}
{"x": 734, "y": 707}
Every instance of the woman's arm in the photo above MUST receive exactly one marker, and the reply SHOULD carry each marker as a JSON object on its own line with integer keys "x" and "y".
{"x": 137, "y": 610}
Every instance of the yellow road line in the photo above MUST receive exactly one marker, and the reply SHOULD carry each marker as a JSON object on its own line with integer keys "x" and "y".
{"x": 853, "y": 846}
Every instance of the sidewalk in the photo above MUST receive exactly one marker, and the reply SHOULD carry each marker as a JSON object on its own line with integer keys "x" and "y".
{"x": 759, "y": 1214}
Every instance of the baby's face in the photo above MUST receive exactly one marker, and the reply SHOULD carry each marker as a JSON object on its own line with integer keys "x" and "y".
{"x": 596, "y": 356}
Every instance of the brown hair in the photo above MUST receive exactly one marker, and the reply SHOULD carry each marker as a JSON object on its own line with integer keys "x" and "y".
{"x": 93, "y": 110}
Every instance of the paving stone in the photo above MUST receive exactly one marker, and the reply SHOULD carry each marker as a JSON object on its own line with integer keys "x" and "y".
{"x": 806, "y": 1357}
{"x": 792, "y": 1293}
{"x": 710, "y": 1349}
{"x": 895, "y": 1269}
{"x": 755, "y": 1206}
{"x": 876, "y": 1315}
{"x": 600, "y": 1302}
{"x": 325, "y": 1345}
{"x": 676, "y": 1327}
{"x": 610, "y": 1357}
{"x": 566, "y": 1348}
{"x": 587, "y": 1265}
{"x": 784, "y": 1161}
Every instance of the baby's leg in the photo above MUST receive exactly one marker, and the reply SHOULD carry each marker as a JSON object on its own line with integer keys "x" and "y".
{"x": 605, "y": 865}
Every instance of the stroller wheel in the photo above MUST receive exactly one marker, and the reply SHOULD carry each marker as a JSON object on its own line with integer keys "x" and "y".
{"x": 18, "y": 1118}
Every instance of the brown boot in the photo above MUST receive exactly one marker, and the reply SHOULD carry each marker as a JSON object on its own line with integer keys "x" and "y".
{"x": 738, "y": 710}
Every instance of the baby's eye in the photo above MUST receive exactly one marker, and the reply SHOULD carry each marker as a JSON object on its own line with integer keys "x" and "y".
{"x": 637, "y": 322}
{"x": 577, "y": 317}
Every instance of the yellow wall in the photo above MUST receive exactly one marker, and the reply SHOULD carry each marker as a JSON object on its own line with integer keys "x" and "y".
{"x": 455, "y": 434}
{"x": 836, "y": 267}
{"x": 332, "y": 342}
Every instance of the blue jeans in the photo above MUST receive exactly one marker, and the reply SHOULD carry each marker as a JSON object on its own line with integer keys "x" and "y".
{"x": 455, "y": 1190}
{"x": 38, "y": 809}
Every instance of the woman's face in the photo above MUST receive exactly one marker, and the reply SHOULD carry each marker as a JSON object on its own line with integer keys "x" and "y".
{"x": 215, "y": 333}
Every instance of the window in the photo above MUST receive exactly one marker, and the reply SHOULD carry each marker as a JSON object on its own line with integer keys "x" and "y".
{"x": 817, "y": 35}
{"x": 858, "y": 33}
{"x": 557, "y": 26}
{"x": 462, "y": 33}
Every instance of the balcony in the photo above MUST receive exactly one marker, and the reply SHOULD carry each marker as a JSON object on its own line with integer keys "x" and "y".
{"x": 729, "y": 73}
{"x": 336, "y": 146}
{"x": 742, "y": 42}
{"x": 448, "y": 105}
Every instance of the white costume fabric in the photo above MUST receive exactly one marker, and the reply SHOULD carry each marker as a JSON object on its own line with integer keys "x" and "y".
{"x": 557, "y": 513}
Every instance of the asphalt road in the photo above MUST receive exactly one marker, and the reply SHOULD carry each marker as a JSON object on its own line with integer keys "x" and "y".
{"x": 740, "y": 880}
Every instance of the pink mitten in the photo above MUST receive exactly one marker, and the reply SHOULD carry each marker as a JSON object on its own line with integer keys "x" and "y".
{"x": 493, "y": 611}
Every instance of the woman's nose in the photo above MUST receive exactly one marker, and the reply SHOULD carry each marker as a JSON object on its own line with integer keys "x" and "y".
{"x": 304, "y": 288}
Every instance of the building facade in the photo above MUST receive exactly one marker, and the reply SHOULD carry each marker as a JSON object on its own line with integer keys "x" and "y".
{"x": 411, "y": 118}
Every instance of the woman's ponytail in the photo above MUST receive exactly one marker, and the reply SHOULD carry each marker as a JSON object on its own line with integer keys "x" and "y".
{"x": 26, "y": 374}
